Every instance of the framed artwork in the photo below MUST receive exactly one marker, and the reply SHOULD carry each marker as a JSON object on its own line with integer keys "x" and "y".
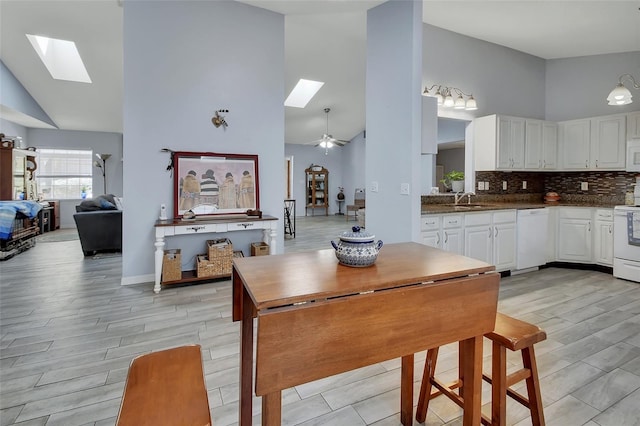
{"x": 208, "y": 183}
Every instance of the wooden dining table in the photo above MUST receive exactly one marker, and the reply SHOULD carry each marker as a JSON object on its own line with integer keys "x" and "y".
{"x": 317, "y": 318}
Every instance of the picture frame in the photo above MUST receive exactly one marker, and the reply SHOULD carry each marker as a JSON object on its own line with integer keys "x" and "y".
{"x": 214, "y": 184}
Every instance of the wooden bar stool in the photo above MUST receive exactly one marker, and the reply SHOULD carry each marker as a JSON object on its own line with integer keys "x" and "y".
{"x": 509, "y": 333}
{"x": 166, "y": 388}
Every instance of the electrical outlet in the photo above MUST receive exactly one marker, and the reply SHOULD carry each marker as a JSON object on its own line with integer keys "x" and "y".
{"x": 486, "y": 186}
{"x": 584, "y": 186}
{"x": 374, "y": 186}
{"x": 480, "y": 186}
{"x": 404, "y": 189}
{"x": 524, "y": 184}
{"x": 504, "y": 185}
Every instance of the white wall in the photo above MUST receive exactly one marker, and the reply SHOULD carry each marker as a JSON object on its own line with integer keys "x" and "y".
{"x": 353, "y": 166}
{"x": 98, "y": 142}
{"x": 182, "y": 62}
{"x": 578, "y": 87}
{"x": 303, "y": 157}
{"x": 502, "y": 80}
{"x": 12, "y": 129}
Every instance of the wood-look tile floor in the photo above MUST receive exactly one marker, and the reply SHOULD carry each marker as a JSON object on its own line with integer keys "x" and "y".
{"x": 69, "y": 331}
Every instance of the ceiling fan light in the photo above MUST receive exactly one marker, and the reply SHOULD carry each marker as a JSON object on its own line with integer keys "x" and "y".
{"x": 459, "y": 103}
{"x": 620, "y": 95}
{"x": 448, "y": 101}
{"x": 439, "y": 98}
{"x": 471, "y": 104}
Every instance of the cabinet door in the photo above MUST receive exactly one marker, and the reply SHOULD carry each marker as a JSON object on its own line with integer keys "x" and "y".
{"x": 504, "y": 143}
{"x": 603, "y": 242}
{"x": 431, "y": 238}
{"x": 575, "y": 144}
{"x": 608, "y": 142}
{"x": 478, "y": 242}
{"x": 504, "y": 246}
{"x": 574, "y": 240}
{"x": 533, "y": 144}
{"x": 549, "y": 146}
{"x": 633, "y": 125}
{"x": 517, "y": 143}
{"x": 452, "y": 240}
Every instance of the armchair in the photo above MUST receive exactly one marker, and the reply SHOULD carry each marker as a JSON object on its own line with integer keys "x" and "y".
{"x": 358, "y": 203}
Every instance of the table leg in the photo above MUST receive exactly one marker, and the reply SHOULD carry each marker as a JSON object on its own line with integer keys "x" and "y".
{"x": 246, "y": 360}
{"x": 272, "y": 409}
{"x": 406, "y": 391}
{"x": 471, "y": 368}
{"x": 158, "y": 263}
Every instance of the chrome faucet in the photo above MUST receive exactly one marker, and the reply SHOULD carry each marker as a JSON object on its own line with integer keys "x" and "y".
{"x": 458, "y": 196}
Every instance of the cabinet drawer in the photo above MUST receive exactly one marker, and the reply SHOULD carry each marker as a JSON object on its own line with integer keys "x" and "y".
{"x": 604, "y": 214}
{"x": 452, "y": 221}
{"x": 574, "y": 213}
{"x": 505, "y": 216}
{"x": 429, "y": 223}
{"x": 473, "y": 219}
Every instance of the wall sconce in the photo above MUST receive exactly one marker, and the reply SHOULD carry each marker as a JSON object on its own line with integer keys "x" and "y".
{"x": 102, "y": 166}
{"x": 620, "y": 95}
{"x": 445, "y": 97}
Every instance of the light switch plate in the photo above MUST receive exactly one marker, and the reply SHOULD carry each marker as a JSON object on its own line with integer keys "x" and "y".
{"x": 524, "y": 184}
{"x": 584, "y": 186}
{"x": 404, "y": 189}
{"x": 486, "y": 186}
{"x": 480, "y": 186}
{"x": 374, "y": 186}
{"x": 504, "y": 185}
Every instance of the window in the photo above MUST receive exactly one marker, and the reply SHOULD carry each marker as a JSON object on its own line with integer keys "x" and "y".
{"x": 65, "y": 173}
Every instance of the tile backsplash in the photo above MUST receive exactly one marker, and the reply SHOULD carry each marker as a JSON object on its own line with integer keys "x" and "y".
{"x": 603, "y": 185}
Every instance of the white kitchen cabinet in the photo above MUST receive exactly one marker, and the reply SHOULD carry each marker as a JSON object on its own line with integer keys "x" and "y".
{"x": 444, "y": 232}
{"x": 430, "y": 230}
{"x": 593, "y": 144}
{"x": 575, "y": 143}
{"x": 541, "y": 145}
{"x": 608, "y": 143}
{"x": 603, "y": 237}
{"x": 551, "y": 233}
{"x": 452, "y": 233}
{"x": 499, "y": 143}
{"x": 633, "y": 125}
{"x": 574, "y": 235}
{"x": 491, "y": 237}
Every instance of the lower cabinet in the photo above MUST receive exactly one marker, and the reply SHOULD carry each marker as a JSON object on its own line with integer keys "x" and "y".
{"x": 491, "y": 237}
{"x": 603, "y": 237}
{"x": 443, "y": 231}
{"x": 574, "y": 235}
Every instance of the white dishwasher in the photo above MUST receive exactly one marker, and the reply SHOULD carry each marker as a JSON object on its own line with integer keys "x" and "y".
{"x": 533, "y": 232}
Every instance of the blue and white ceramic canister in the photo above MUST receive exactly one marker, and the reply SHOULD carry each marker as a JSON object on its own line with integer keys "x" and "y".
{"x": 357, "y": 248}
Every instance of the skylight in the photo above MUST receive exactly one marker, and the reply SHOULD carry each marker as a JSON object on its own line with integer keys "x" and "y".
{"x": 61, "y": 58}
{"x": 302, "y": 93}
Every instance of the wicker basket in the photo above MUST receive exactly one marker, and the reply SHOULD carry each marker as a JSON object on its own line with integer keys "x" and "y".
{"x": 218, "y": 262}
{"x": 171, "y": 265}
{"x": 259, "y": 249}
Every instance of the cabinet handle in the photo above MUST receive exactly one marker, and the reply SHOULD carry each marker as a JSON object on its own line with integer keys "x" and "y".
{"x": 596, "y": 164}
{"x": 610, "y": 229}
{"x": 446, "y": 237}
{"x": 586, "y": 164}
{"x": 544, "y": 164}
{"x": 589, "y": 228}
{"x": 496, "y": 231}
{"x": 438, "y": 237}
{"x": 490, "y": 232}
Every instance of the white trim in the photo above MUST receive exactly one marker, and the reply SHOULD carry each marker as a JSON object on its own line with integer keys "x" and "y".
{"x": 138, "y": 279}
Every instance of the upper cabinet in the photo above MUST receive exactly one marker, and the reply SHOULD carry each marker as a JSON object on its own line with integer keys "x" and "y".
{"x": 541, "y": 145}
{"x": 593, "y": 144}
{"x": 633, "y": 125}
{"x": 498, "y": 143}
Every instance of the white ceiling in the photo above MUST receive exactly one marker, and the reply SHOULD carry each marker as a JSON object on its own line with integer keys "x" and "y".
{"x": 324, "y": 40}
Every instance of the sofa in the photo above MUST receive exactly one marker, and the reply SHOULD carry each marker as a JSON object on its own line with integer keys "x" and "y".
{"x": 99, "y": 223}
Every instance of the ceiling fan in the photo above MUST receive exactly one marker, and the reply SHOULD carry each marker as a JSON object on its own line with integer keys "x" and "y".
{"x": 327, "y": 140}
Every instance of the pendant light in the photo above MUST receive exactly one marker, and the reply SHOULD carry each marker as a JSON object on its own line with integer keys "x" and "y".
{"x": 620, "y": 95}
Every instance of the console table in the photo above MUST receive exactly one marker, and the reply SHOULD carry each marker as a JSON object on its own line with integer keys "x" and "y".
{"x": 171, "y": 227}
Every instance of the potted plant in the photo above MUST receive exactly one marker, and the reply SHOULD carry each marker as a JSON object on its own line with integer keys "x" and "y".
{"x": 454, "y": 180}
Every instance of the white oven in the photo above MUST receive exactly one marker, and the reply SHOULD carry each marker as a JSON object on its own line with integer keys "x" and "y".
{"x": 626, "y": 256}
{"x": 633, "y": 155}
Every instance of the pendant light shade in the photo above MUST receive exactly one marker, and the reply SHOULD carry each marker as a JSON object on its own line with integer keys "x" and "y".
{"x": 620, "y": 95}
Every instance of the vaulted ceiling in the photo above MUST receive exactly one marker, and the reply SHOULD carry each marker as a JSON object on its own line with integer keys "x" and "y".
{"x": 324, "y": 40}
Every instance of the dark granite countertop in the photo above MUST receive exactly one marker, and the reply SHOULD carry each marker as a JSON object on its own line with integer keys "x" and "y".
{"x": 476, "y": 207}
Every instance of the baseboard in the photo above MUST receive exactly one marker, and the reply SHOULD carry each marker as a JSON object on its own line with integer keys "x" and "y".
{"x": 581, "y": 266}
{"x": 138, "y": 279}
{"x": 524, "y": 271}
